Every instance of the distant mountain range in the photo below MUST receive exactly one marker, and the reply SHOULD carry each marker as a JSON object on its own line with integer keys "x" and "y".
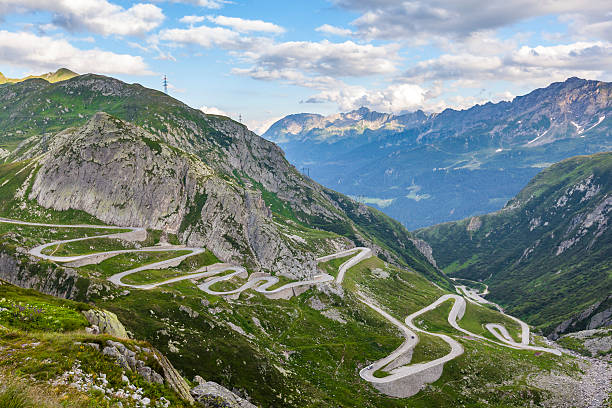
{"x": 423, "y": 169}
{"x": 61, "y": 74}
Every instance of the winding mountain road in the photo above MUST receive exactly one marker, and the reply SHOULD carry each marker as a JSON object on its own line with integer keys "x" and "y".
{"x": 400, "y": 378}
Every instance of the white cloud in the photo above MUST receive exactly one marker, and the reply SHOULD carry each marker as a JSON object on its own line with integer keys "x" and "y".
{"x": 395, "y": 98}
{"x": 323, "y": 58}
{"x": 242, "y": 25}
{"x": 98, "y": 16}
{"x": 206, "y": 37}
{"x": 533, "y": 65}
{"x": 333, "y": 30}
{"x": 424, "y": 20}
{"x": 49, "y": 53}
{"x": 211, "y": 110}
{"x": 210, "y": 4}
{"x": 192, "y": 19}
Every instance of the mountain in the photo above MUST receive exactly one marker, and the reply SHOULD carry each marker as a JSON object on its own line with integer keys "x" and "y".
{"x": 198, "y": 237}
{"x": 61, "y": 74}
{"x": 206, "y": 179}
{"x": 449, "y": 165}
{"x": 546, "y": 254}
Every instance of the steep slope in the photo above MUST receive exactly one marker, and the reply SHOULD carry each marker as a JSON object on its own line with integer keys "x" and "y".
{"x": 61, "y": 74}
{"x": 450, "y": 165}
{"x": 546, "y": 254}
{"x": 205, "y": 178}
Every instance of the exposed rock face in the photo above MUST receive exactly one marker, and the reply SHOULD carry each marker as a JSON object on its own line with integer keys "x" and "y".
{"x": 128, "y": 359}
{"x": 596, "y": 342}
{"x": 107, "y": 322}
{"x": 214, "y": 395}
{"x": 425, "y": 249}
{"x": 475, "y": 224}
{"x": 50, "y": 279}
{"x": 107, "y": 169}
{"x": 174, "y": 379}
{"x": 126, "y": 176}
{"x": 599, "y": 314}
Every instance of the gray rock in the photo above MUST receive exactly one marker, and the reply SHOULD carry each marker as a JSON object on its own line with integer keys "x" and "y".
{"x": 156, "y": 378}
{"x": 107, "y": 322}
{"x": 145, "y": 372}
{"x": 119, "y": 358}
{"x": 192, "y": 313}
{"x": 210, "y": 391}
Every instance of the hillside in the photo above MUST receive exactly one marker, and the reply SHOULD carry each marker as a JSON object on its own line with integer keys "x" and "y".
{"x": 61, "y": 74}
{"x": 453, "y": 164}
{"x": 216, "y": 183}
{"x": 546, "y": 254}
{"x": 206, "y": 243}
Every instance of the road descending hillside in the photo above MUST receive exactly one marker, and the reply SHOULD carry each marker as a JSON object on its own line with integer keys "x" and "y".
{"x": 546, "y": 255}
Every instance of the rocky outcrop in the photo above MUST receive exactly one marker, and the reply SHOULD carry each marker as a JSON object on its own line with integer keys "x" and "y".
{"x": 214, "y": 395}
{"x": 107, "y": 322}
{"x": 425, "y": 249}
{"x": 173, "y": 377}
{"x": 128, "y": 358}
{"x": 47, "y": 278}
{"x": 599, "y": 314}
{"x": 594, "y": 342}
{"x": 475, "y": 224}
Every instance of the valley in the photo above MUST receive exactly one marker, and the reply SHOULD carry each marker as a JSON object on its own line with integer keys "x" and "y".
{"x": 400, "y": 380}
{"x": 209, "y": 247}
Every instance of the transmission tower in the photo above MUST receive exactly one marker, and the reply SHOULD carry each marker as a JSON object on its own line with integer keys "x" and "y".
{"x": 165, "y": 84}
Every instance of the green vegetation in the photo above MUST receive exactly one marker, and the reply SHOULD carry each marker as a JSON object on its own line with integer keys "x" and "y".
{"x": 331, "y": 267}
{"x": 282, "y": 280}
{"x": 476, "y": 317}
{"x": 524, "y": 253}
{"x": 187, "y": 266}
{"x": 123, "y": 262}
{"x": 29, "y": 310}
{"x": 399, "y": 291}
{"x": 89, "y": 246}
{"x": 429, "y": 348}
{"x": 33, "y": 235}
{"x": 44, "y": 341}
{"x": 436, "y": 320}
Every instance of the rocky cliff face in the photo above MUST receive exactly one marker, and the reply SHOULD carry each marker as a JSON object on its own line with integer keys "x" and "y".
{"x": 126, "y": 176}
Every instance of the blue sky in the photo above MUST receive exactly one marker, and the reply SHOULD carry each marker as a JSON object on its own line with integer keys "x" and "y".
{"x": 267, "y": 59}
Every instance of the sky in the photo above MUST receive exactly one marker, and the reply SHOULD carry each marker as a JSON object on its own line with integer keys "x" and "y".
{"x": 262, "y": 60}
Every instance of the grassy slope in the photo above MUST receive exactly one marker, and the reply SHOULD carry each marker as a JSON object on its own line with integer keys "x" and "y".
{"x": 545, "y": 288}
{"x": 40, "y": 339}
{"x": 293, "y": 355}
